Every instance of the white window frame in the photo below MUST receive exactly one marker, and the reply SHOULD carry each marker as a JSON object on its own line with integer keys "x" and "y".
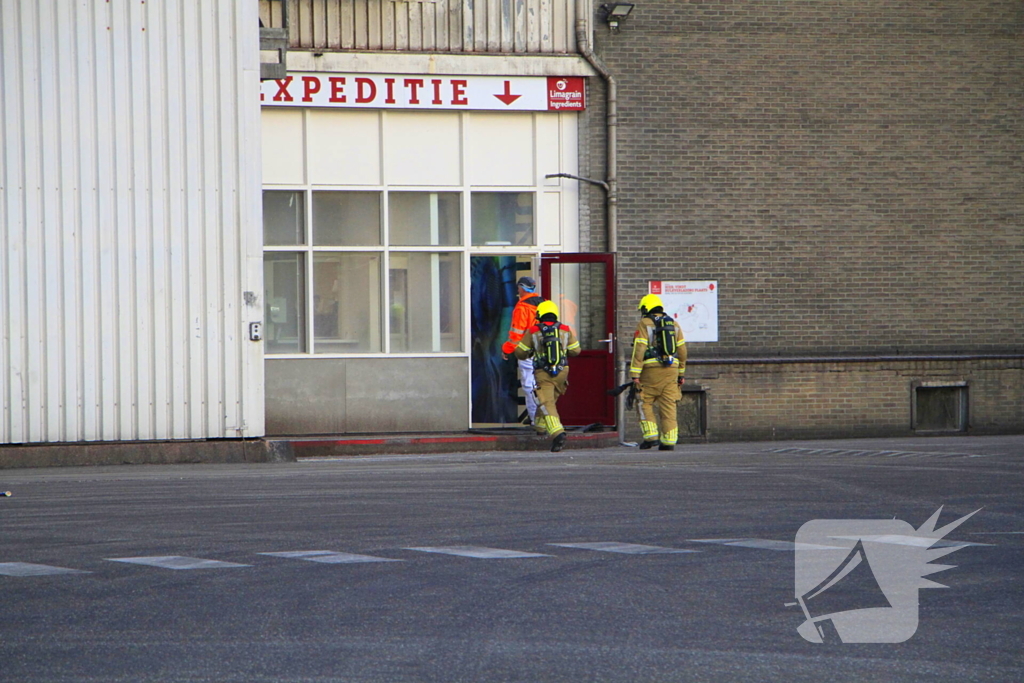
{"x": 567, "y": 236}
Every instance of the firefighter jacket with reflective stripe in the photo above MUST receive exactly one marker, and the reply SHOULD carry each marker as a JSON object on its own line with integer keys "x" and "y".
{"x": 534, "y": 339}
{"x": 523, "y": 316}
{"x": 643, "y": 339}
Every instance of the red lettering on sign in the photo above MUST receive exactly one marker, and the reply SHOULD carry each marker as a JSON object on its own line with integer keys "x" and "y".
{"x": 414, "y": 85}
{"x": 459, "y": 92}
{"x": 338, "y": 89}
{"x": 390, "y": 82}
{"x": 437, "y": 91}
{"x": 311, "y": 86}
{"x": 282, "y": 90}
{"x": 367, "y": 90}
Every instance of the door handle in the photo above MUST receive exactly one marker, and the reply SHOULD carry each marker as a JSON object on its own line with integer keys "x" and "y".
{"x": 609, "y": 341}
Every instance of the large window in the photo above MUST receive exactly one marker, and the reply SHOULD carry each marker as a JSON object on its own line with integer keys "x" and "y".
{"x": 373, "y": 219}
{"x": 324, "y": 271}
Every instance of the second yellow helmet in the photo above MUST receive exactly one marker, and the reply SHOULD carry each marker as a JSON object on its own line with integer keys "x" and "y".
{"x": 649, "y": 302}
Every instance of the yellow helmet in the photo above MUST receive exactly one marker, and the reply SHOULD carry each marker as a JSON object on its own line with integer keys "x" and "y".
{"x": 649, "y": 303}
{"x": 545, "y": 307}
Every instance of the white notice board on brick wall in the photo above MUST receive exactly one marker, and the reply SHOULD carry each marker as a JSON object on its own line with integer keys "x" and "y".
{"x": 693, "y": 305}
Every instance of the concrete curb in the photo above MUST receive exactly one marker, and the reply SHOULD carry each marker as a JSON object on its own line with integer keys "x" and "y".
{"x": 283, "y": 449}
{"x": 443, "y": 443}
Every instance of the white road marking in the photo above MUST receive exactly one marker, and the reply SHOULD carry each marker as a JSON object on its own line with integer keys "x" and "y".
{"x": 888, "y": 454}
{"x": 177, "y": 562}
{"x": 766, "y": 544}
{"x": 625, "y": 548}
{"x": 477, "y": 551}
{"x": 915, "y": 541}
{"x": 29, "y": 569}
{"x": 330, "y": 557}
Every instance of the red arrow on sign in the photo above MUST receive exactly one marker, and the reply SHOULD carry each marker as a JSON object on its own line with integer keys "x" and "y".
{"x": 507, "y": 97}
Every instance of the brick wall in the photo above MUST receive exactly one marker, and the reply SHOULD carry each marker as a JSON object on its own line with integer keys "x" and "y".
{"x": 852, "y": 174}
{"x": 841, "y": 399}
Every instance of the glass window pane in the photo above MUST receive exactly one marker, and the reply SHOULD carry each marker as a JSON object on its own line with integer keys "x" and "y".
{"x": 424, "y": 219}
{"x": 502, "y": 218}
{"x": 346, "y": 303}
{"x": 579, "y": 289}
{"x": 284, "y": 218}
{"x": 346, "y": 219}
{"x": 284, "y": 294}
{"x": 426, "y": 302}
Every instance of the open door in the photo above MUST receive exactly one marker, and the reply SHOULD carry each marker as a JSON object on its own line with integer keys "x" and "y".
{"x": 583, "y": 286}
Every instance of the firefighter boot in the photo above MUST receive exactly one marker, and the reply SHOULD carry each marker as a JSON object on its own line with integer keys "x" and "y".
{"x": 559, "y": 442}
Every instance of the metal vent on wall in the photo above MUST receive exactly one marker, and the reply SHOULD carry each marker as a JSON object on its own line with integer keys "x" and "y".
{"x": 940, "y": 407}
{"x": 692, "y": 411}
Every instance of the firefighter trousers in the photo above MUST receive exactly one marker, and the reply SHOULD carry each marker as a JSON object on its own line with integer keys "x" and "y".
{"x": 548, "y": 390}
{"x": 659, "y": 396}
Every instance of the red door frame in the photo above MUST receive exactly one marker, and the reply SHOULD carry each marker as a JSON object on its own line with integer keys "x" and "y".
{"x": 592, "y": 373}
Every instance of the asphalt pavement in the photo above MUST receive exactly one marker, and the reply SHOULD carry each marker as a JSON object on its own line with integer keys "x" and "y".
{"x": 610, "y": 564}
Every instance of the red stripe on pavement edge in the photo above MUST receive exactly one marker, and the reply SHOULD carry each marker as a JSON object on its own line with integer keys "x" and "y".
{"x": 377, "y": 442}
{"x": 420, "y": 440}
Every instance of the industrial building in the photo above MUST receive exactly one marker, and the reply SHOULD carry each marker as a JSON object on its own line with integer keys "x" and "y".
{"x": 226, "y": 221}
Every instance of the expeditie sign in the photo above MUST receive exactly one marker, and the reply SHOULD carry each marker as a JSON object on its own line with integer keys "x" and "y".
{"x": 378, "y": 91}
{"x": 693, "y": 305}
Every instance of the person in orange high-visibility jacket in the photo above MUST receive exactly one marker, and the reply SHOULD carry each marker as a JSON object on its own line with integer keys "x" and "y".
{"x": 552, "y": 373}
{"x": 658, "y": 379}
{"x": 523, "y": 316}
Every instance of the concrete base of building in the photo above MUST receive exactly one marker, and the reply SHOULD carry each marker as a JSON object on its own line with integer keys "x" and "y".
{"x": 285, "y": 449}
{"x": 142, "y": 453}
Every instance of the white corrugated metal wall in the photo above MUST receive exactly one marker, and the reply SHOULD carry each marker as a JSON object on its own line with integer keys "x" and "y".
{"x": 129, "y": 220}
{"x": 481, "y": 26}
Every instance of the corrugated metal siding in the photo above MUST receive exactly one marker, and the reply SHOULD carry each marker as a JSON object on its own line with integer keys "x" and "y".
{"x": 472, "y": 26}
{"x": 129, "y": 220}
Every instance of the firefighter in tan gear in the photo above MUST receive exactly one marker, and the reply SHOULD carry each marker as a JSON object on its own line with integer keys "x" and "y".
{"x": 549, "y": 343}
{"x": 657, "y": 368}
{"x": 524, "y": 314}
